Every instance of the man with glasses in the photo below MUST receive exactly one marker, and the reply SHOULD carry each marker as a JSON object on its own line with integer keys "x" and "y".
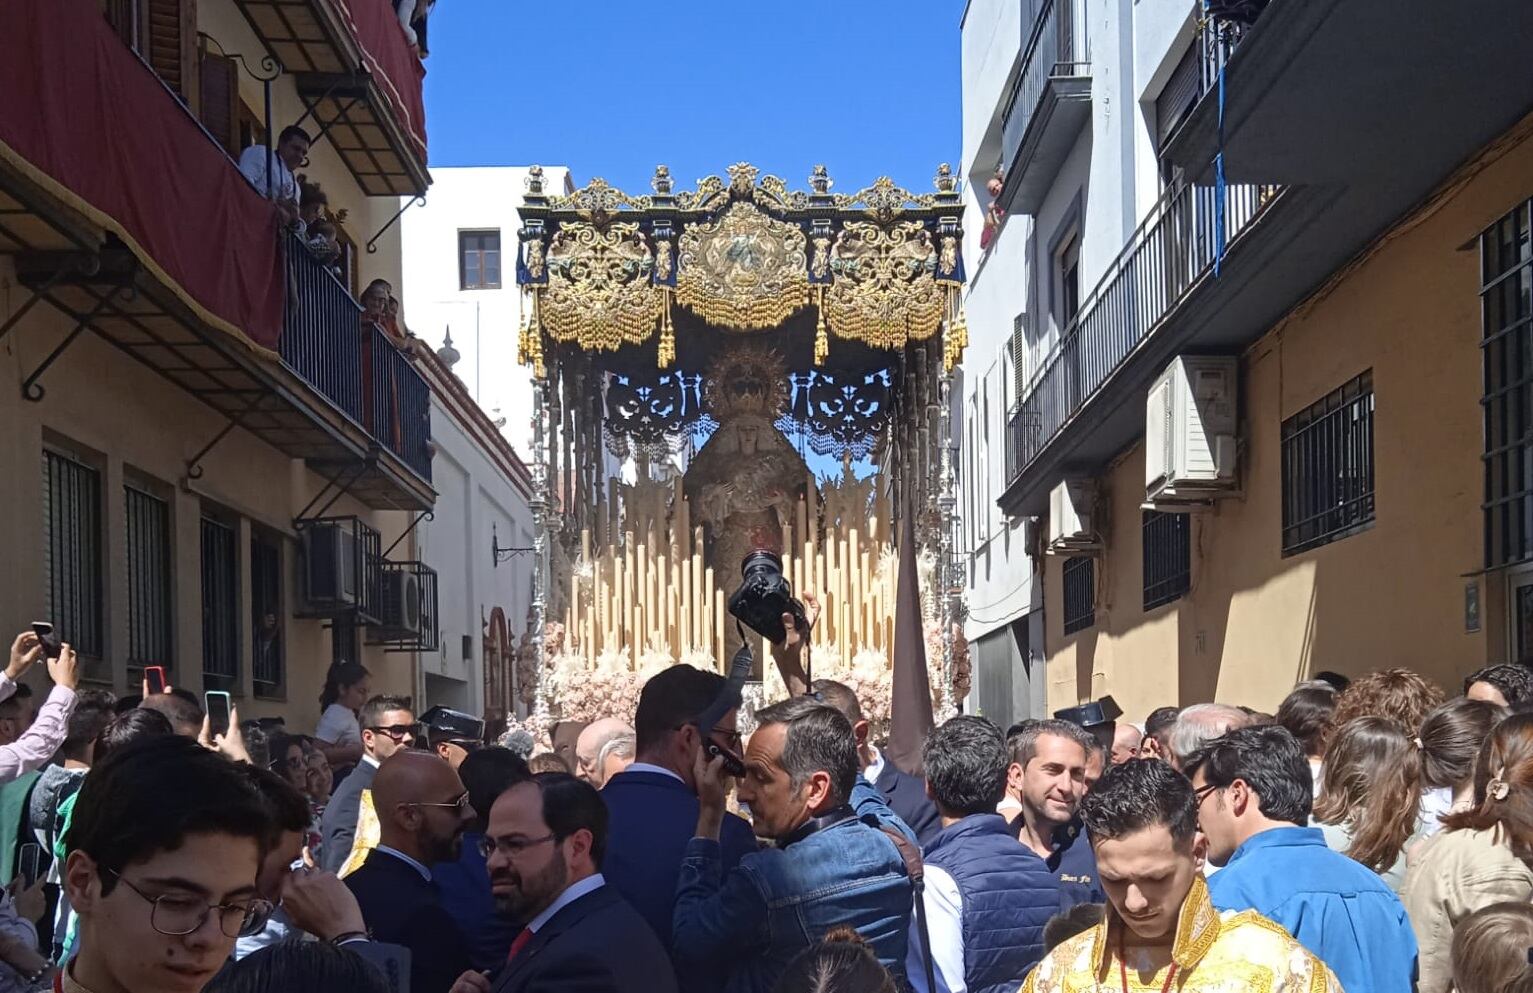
{"x": 452, "y": 734}
{"x": 545, "y": 845}
{"x": 162, "y": 857}
{"x": 653, "y": 805}
{"x": 422, "y": 812}
{"x": 388, "y": 725}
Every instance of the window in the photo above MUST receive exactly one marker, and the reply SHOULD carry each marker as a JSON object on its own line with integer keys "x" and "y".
{"x": 1167, "y": 548}
{"x": 1506, "y": 262}
{"x": 1080, "y": 593}
{"x": 72, "y": 552}
{"x": 266, "y": 614}
{"x": 150, "y": 638}
{"x": 1068, "y": 267}
{"x": 1328, "y": 468}
{"x": 220, "y": 606}
{"x": 479, "y": 260}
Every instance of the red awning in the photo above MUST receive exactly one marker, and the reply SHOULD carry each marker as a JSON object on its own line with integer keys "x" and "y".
{"x": 393, "y": 63}
{"x": 82, "y": 116}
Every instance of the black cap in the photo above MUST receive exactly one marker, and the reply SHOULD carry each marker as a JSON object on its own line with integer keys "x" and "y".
{"x": 1093, "y": 714}
{"x": 446, "y": 724}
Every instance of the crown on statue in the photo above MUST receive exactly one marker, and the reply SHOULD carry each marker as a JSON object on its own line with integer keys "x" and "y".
{"x": 746, "y": 379}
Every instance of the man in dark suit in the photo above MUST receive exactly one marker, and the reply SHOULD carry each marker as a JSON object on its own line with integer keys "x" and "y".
{"x": 653, "y": 807}
{"x": 906, "y": 793}
{"x": 387, "y": 726}
{"x": 422, "y": 812}
{"x": 546, "y": 841}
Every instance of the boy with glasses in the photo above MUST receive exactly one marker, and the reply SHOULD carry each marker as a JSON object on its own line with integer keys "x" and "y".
{"x": 349, "y": 827}
{"x": 163, "y": 850}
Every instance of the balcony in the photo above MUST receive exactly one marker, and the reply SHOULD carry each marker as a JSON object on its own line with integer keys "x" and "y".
{"x": 1049, "y": 104}
{"x": 224, "y": 309}
{"x": 359, "y": 79}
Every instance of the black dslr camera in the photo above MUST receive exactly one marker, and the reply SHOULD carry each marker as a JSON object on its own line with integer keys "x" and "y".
{"x": 764, "y": 596}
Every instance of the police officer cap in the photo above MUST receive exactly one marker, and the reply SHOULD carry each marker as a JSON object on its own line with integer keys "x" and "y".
{"x": 445, "y": 724}
{"x": 1093, "y": 714}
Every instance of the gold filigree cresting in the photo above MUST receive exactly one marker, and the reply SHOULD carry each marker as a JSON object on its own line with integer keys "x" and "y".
{"x": 743, "y": 270}
{"x": 884, "y": 292}
{"x": 599, "y": 292}
{"x": 598, "y": 195}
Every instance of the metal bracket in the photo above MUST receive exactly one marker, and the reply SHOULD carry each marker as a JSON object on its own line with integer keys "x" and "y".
{"x": 424, "y": 515}
{"x": 193, "y": 466}
{"x": 85, "y": 264}
{"x": 324, "y": 129}
{"x": 305, "y": 514}
{"x": 372, "y": 243}
{"x": 504, "y": 554}
{"x": 31, "y": 390}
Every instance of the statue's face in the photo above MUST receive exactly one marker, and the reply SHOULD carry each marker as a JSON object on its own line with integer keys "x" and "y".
{"x": 747, "y": 434}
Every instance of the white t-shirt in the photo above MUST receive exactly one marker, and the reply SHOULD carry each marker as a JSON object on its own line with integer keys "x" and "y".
{"x": 338, "y": 726}
{"x": 253, "y": 161}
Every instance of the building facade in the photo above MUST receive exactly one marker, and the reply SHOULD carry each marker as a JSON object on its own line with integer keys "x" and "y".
{"x": 212, "y": 462}
{"x": 1333, "y": 481}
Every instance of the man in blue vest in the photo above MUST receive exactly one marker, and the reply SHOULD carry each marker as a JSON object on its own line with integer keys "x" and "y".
{"x": 1048, "y": 765}
{"x": 987, "y": 898}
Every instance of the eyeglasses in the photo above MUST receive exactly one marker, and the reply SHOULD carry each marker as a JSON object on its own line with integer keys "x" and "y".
{"x": 458, "y": 804}
{"x": 175, "y": 916}
{"x": 398, "y": 732}
{"x": 734, "y": 739}
{"x": 1203, "y": 791}
{"x": 510, "y": 847}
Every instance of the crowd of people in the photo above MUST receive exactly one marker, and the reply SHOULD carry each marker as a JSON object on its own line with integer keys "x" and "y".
{"x": 1370, "y": 836}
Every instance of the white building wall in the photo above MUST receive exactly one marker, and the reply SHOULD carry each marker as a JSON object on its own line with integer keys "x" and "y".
{"x": 484, "y": 323}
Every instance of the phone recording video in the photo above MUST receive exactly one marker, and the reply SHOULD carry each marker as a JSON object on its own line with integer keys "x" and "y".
{"x": 50, "y": 641}
{"x": 218, "y": 711}
{"x": 154, "y": 678}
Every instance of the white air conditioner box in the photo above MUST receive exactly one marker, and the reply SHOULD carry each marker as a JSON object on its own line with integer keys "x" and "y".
{"x": 1071, "y": 529}
{"x": 1189, "y": 430}
{"x": 402, "y": 604}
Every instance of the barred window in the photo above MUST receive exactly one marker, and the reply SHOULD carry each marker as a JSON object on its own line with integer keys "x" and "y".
{"x": 1506, "y": 262}
{"x": 1328, "y": 468}
{"x": 1167, "y": 548}
{"x": 150, "y": 641}
{"x": 1080, "y": 593}
{"x": 72, "y": 552}
{"x": 220, "y": 606}
{"x": 266, "y": 614}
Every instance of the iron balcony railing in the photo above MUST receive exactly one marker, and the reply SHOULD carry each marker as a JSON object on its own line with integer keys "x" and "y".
{"x": 398, "y": 402}
{"x": 1058, "y": 47}
{"x": 319, "y": 331}
{"x": 1171, "y": 252}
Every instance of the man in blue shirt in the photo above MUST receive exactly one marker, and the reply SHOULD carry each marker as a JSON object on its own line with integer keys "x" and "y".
{"x": 1253, "y": 791}
{"x": 1047, "y": 776}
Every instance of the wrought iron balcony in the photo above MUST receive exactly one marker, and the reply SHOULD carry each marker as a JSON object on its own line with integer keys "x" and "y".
{"x": 1171, "y": 253}
{"x": 398, "y": 401}
{"x": 1049, "y": 103}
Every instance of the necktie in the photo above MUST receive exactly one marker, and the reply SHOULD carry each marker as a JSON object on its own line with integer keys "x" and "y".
{"x": 519, "y": 943}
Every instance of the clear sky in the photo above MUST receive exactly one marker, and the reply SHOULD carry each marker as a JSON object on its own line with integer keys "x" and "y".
{"x": 613, "y": 87}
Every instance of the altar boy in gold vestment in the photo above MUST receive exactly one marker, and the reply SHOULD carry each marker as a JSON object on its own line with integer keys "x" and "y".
{"x": 1160, "y": 933}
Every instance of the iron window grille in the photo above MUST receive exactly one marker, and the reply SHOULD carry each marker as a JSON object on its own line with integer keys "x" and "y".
{"x": 220, "y": 606}
{"x": 1167, "y": 549}
{"x": 266, "y": 663}
{"x": 1080, "y": 593}
{"x": 479, "y": 260}
{"x": 1328, "y": 468}
{"x": 1506, "y": 289}
{"x": 150, "y": 637}
{"x": 72, "y": 552}
{"x": 407, "y": 610}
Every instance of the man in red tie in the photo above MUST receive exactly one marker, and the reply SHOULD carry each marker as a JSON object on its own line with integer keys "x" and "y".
{"x": 545, "y": 843}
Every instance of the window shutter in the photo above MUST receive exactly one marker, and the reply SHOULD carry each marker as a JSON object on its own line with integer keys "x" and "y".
{"x": 171, "y": 31}
{"x": 1019, "y": 370}
{"x": 1178, "y": 97}
{"x": 220, "y": 99}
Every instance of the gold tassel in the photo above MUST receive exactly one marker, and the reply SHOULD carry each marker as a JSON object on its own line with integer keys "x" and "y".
{"x": 821, "y": 336}
{"x": 535, "y": 339}
{"x": 666, "y": 355}
{"x": 956, "y": 340}
{"x": 521, "y": 343}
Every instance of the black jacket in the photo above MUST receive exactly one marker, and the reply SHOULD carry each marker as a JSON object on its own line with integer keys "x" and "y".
{"x": 401, "y": 907}
{"x": 338, "y": 826}
{"x": 597, "y": 944}
{"x": 907, "y": 798}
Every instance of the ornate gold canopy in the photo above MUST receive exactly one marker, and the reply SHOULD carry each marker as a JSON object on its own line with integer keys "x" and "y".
{"x": 881, "y": 266}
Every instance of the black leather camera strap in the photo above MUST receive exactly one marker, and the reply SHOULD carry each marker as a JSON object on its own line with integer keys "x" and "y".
{"x": 916, "y": 870}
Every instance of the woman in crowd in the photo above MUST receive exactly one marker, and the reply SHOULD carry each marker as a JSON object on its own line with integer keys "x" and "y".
{"x": 338, "y": 735}
{"x": 1450, "y": 739}
{"x": 1369, "y": 807}
{"x": 1399, "y": 694}
{"x": 1306, "y": 714}
{"x": 1491, "y": 950}
{"x": 841, "y": 963}
{"x": 1478, "y": 858}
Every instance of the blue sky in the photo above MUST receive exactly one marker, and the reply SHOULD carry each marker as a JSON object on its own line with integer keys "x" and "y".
{"x": 869, "y": 87}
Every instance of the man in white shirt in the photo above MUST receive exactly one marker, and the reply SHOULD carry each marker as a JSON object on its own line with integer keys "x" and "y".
{"x": 388, "y": 726}
{"x": 545, "y": 844}
{"x": 272, "y": 173}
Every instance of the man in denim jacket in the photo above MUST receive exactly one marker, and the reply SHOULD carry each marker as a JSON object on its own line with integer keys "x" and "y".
{"x": 831, "y": 867}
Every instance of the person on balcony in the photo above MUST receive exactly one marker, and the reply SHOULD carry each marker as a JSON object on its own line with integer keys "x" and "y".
{"x": 271, "y": 172}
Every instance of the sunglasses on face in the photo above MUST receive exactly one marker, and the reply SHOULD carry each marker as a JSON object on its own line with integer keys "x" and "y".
{"x": 398, "y": 732}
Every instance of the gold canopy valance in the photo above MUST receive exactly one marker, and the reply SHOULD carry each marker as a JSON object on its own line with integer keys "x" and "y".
{"x": 881, "y": 266}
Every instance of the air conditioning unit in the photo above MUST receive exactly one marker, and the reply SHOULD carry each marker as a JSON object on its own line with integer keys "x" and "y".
{"x": 1071, "y": 526}
{"x": 401, "y": 608}
{"x": 333, "y": 572}
{"x": 1190, "y": 445}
